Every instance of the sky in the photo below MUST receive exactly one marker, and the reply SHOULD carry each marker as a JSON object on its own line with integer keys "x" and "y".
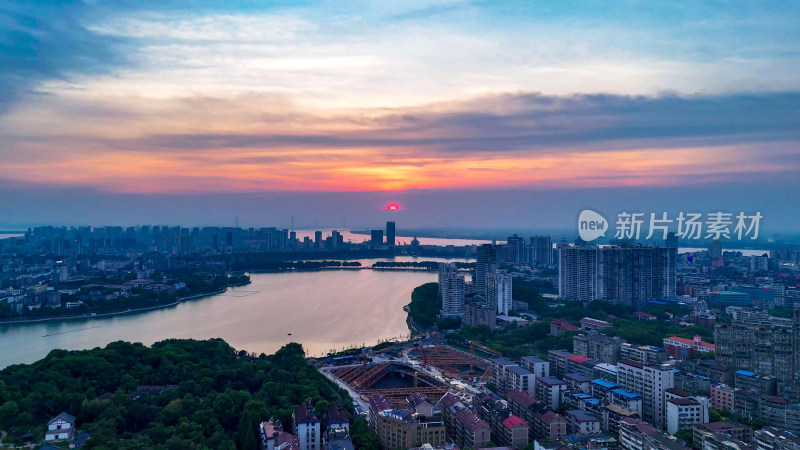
{"x": 469, "y": 113}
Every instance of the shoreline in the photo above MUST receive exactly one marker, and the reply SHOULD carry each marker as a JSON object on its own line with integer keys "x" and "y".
{"x": 119, "y": 313}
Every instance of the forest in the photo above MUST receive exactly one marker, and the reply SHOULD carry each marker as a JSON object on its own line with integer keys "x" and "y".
{"x": 213, "y": 397}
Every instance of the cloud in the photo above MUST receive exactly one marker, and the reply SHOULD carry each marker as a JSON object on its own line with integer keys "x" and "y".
{"x": 532, "y": 122}
{"x": 45, "y": 41}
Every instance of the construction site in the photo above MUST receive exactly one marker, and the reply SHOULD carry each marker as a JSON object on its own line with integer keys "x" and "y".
{"x": 393, "y": 380}
{"x": 452, "y": 363}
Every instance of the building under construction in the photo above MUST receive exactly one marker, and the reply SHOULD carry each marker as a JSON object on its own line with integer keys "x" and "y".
{"x": 393, "y": 380}
{"x": 453, "y": 363}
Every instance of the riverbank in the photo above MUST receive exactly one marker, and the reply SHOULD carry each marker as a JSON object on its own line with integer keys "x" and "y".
{"x": 119, "y": 313}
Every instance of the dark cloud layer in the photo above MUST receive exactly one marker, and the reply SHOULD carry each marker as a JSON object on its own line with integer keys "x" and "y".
{"x": 529, "y": 121}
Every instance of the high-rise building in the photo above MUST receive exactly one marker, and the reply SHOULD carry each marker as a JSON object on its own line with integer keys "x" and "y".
{"x": 318, "y": 239}
{"x": 541, "y": 251}
{"x": 515, "y": 251}
{"x": 376, "y": 238}
{"x": 451, "y": 290}
{"x": 390, "y": 234}
{"x": 631, "y": 275}
{"x": 498, "y": 287}
{"x": 337, "y": 240}
{"x": 651, "y": 381}
{"x": 485, "y": 265}
{"x": 637, "y": 274}
{"x": 760, "y": 343}
{"x": 577, "y": 273}
{"x": 715, "y": 251}
{"x": 479, "y": 313}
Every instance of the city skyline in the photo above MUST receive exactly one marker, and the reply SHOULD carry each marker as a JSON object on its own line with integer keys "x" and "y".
{"x": 325, "y": 111}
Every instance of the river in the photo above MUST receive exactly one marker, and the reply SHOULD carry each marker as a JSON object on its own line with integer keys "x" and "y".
{"x": 323, "y": 310}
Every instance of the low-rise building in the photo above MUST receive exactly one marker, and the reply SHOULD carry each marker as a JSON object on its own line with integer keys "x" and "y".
{"x": 538, "y": 366}
{"x": 524, "y": 405}
{"x": 307, "y": 427}
{"x": 601, "y": 388}
{"x": 578, "y": 382}
{"x": 60, "y": 427}
{"x": 612, "y": 415}
{"x": 549, "y": 425}
{"x": 683, "y": 414}
{"x": 637, "y": 435}
{"x": 582, "y": 422}
{"x": 274, "y": 438}
{"x": 706, "y": 431}
{"x": 479, "y": 313}
{"x": 549, "y": 389}
{"x": 588, "y": 323}
{"x": 721, "y": 397}
{"x": 515, "y": 432}
{"x": 499, "y": 377}
{"x": 464, "y": 427}
{"x": 336, "y": 418}
{"x": 558, "y": 326}
{"x": 645, "y": 354}
{"x": 751, "y": 381}
{"x": 558, "y": 362}
{"x": 630, "y": 400}
{"x": 680, "y": 348}
{"x": 772, "y": 438}
{"x": 401, "y": 428}
{"x": 597, "y": 346}
{"x": 520, "y": 378}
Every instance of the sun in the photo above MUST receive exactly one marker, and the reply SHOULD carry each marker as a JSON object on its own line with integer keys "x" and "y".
{"x": 393, "y": 207}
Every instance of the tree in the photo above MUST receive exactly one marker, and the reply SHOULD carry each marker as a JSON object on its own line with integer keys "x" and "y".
{"x": 247, "y": 432}
{"x": 686, "y": 436}
{"x": 361, "y": 435}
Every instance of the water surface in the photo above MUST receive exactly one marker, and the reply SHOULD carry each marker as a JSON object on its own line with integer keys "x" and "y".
{"x": 323, "y": 310}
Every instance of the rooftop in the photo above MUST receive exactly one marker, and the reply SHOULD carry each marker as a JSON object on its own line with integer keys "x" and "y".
{"x": 533, "y": 359}
{"x": 63, "y": 416}
{"x": 578, "y": 359}
{"x": 684, "y": 401}
{"x": 628, "y": 362}
{"x": 679, "y": 392}
{"x": 303, "y": 413}
{"x": 551, "y": 417}
{"x": 519, "y": 370}
{"x": 336, "y": 414}
{"x": 626, "y": 394}
{"x": 522, "y": 397}
{"x": 604, "y": 383}
{"x": 513, "y": 421}
{"x": 550, "y": 381}
{"x": 470, "y": 421}
{"x": 449, "y": 400}
{"x": 577, "y": 377}
{"x": 582, "y": 416}
{"x": 690, "y": 342}
{"x": 722, "y": 426}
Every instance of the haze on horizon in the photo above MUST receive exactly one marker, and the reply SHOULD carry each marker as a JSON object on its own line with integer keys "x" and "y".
{"x": 485, "y": 114}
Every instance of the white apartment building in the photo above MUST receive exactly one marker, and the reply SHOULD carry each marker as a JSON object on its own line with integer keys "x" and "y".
{"x": 650, "y": 382}
{"x": 499, "y": 292}
{"x": 451, "y": 290}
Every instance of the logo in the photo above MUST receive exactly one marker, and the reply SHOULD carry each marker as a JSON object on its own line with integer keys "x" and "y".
{"x": 591, "y": 225}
